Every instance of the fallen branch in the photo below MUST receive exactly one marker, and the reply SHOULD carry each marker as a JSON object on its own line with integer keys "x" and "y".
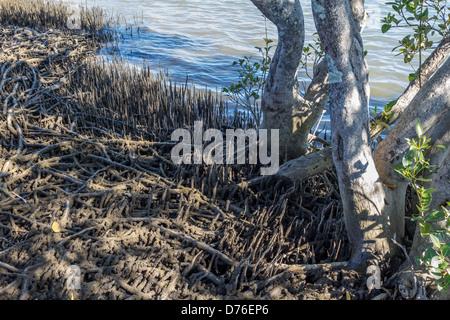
{"x": 301, "y": 168}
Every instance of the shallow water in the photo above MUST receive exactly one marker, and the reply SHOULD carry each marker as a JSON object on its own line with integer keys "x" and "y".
{"x": 201, "y": 39}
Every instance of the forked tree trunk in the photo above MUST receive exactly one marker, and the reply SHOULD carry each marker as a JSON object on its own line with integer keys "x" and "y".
{"x": 373, "y": 196}
{"x": 282, "y": 105}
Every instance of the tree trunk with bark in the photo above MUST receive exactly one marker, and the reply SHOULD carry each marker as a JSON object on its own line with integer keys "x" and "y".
{"x": 366, "y": 200}
{"x": 427, "y": 69}
{"x": 282, "y": 105}
{"x": 373, "y": 195}
{"x": 431, "y": 106}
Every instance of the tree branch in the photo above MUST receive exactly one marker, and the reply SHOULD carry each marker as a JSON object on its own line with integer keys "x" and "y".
{"x": 428, "y": 68}
{"x": 282, "y": 82}
{"x": 282, "y": 105}
{"x": 301, "y": 168}
{"x": 431, "y": 106}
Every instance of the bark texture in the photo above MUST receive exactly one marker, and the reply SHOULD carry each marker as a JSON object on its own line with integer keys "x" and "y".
{"x": 373, "y": 196}
{"x": 282, "y": 105}
{"x": 431, "y": 106}
{"x": 367, "y": 202}
{"x": 301, "y": 168}
{"x": 428, "y": 68}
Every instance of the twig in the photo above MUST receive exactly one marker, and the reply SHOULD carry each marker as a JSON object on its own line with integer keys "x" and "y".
{"x": 9, "y": 267}
{"x": 199, "y": 244}
{"x": 133, "y": 290}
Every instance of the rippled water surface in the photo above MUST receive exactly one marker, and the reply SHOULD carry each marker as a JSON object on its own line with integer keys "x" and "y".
{"x": 201, "y": 39}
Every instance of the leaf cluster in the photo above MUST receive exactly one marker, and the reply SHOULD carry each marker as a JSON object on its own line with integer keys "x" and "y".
{"x": 414, "y": 168}
{"x": 252, "y": 77}
{"x": 426, "y": 19}
{"x": 382, "y": 118}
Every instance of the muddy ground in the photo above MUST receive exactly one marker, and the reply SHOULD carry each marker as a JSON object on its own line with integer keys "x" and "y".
{"x": 86, "y": 187}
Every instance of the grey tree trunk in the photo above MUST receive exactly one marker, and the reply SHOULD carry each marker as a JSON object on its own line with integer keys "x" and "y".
{"x": 282, "y": 105}
{"x": 431, "y": 106}
{"x": 368, "y": 203}
{"x": 373, "y": 195}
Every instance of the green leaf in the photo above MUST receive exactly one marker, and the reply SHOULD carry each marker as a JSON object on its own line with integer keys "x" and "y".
{"x": 418, "y": 260}
{"x": 389, "y": 106}
{"x": 412, "y": 76}
{"x": 435, "y": 215}
{"x": 424, "y": 15}
{"x": 435, "y": 262}
{"x": 407, "y": 160}
{"x": 443, "y": 265}
{"x": 425, "y": 199}
{"x": 419, "y": 129}
{"x": 435, "y": 241}
{"x": 440, "y": 232}
{"x": 441, "y": 287}
{"x": 425, "y": 229}
{"x": 445, "y": 283}
{"x": 430, "y": 253}
{"x": 436, "y": 273}
{"x": 410, "y": 7}
{"x": 445, "y": 250}
{"x": 423, "y": 179}
{"x": 385, "y": 28}
{"x": 414, "y": 152}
